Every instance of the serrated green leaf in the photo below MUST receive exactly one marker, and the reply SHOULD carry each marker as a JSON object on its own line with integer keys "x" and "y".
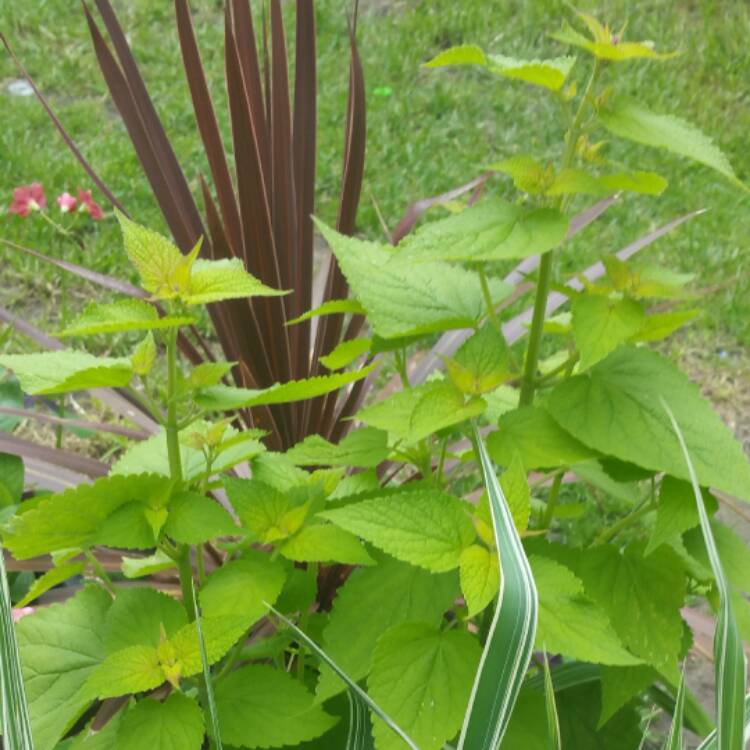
{"x": 606, "y": 44}
{"x": 50, "y": 579}
{"x": 152, "y": 455}
{"x": 626, "y": 118}
{"x": 216, "y": 280}
{"x": 482, "y": 362}
{"x": 463, "y": 54}
{"x": 162, "y": 267}
{"x": 207, "y": 374}
{"x": 67, "y": 370}
{"x": 195, "y": 518}
{"x": 624, "y": 582}
{"x": 615, "y": 408}
{"x": 139, "y": 567}
{"x": 326, "y": 543}
{"x": 131, "y": 526}
{"x": 569, "y": 622}
{"x": 267, "y": 512}
{"x": 601, "y": 324}
{"x": 174, "y": 724}
{"x": 675, "y": 513}
{"x": 527, "y": 173}
{"x": 403, "y": 298}
{"x": 732, "y": 550}
{"x": 141, "y": 617}
{"x": 364, "y": 448}
{"x": 240, "y": 590}
{"x": 488, "y": 231}
{"x": 658, "y": 326}
{"x": 541, "y": 443}
{"x": 123, "y": 315}
{"x": 60, "y": 646}
{"x": 73, "y": 518}
{"x": 134, "y": 669}
{"x": 579, "y": 709}
{"x": 11, "y": 479}
{"x": 227, "y": 398}
{"x": 371, "y": 601}
{"x": 332, "y": 307}
{"x": 428, "y": 528}
{"x": 91, "y": 739}
{"x": 550, "y": 73}
{"x": 346, "y": 352}
{"x": 515, "y": 487}
{"x": 415, "y": 413}
{"x": 260, "y": 706}
{"x": 144, "y": 355}
{"x": 620, "y": 685}
{"x": 422, "y": 678}
{"x": 479, "y": 571}
{"x": 577, "y": 181}
{"x": 11, "y": 396}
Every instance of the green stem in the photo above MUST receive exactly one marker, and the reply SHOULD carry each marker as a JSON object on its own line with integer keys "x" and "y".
{"x": 100, "y": 572}
{"x": 59, "y": 428}
{"x": 642, "y": 509}
{"x": 399, "y": 357}
{"x": 554, "y": 493}
{"x": 312, "y": 571}
{"x": 171, "y": 426}
{"x": 441, "y": 462}
{"x": 185, "y": 569}
{"x": 565, "y": 367}
{"x": 528, "y": 380}
{"x": 491, "y": 313}
{"x": 147, "y": 404}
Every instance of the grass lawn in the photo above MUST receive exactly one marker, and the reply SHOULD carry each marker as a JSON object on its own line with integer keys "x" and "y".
{"x": 427, "y": 130}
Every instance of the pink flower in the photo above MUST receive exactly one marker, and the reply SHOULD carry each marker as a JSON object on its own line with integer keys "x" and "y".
{"x": 89, "y": 205}
{"x": 22, "y": 612}
{"x": 67, "y": 203}
{"x": 28, "y": 198}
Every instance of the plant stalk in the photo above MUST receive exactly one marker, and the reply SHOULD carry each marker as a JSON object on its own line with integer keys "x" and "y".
{"x": 171, "y": 428}
{"x": 554, "y": 493}
{"x": 528, "y": 381}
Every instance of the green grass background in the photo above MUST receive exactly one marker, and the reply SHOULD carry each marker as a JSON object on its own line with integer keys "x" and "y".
{"x": 435, "y": 130}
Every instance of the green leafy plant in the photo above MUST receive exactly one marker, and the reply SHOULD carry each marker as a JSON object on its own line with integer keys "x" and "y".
{"x": 496, "y": 552}
{"x": 258, "y": 208}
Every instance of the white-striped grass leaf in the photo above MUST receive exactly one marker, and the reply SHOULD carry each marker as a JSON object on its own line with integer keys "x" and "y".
{"x": 360, "y": 725}
{"x": 16, "y": 725}
{"x": 553, "y": 720}
{"x": 567, "y": 675}
{"x": 213, "y": 729}
{"x": 510, "y": 639}
{"x": 645, "y": 733}
{"x": 694, "y": 717}
{"x": 674, "y": 738}
{"x": 354, "y": 688}
{"x": 710, "y": 743}
{"x": 729, "y": 657}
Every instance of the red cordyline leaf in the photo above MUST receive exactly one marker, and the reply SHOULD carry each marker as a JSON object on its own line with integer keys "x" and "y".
{"x": 265, "y": 191}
